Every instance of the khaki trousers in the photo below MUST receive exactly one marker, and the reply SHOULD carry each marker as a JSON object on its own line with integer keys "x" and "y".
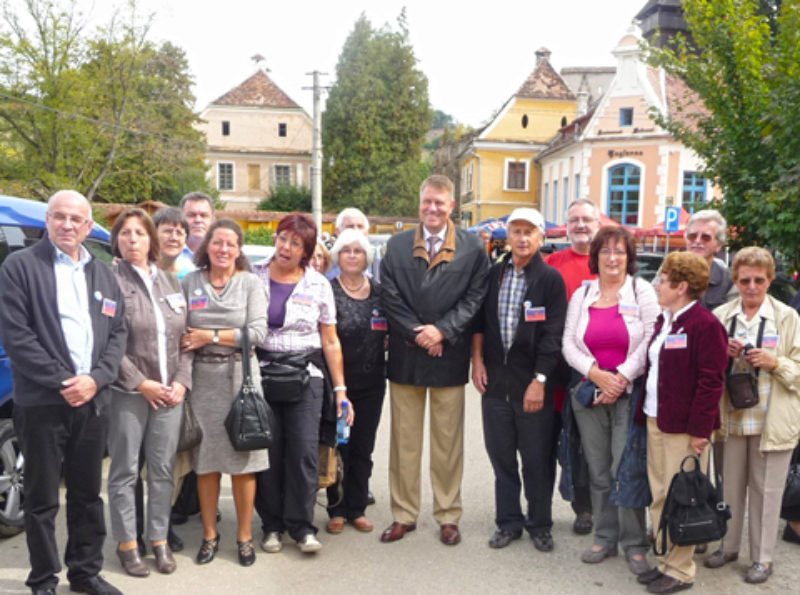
{"x": 446, "y": 450}
{"x": 665, "y": 452}
{"x": 759, "y": 477}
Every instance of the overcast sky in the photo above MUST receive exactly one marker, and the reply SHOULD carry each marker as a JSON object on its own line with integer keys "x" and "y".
{"x": 475, "y": 54}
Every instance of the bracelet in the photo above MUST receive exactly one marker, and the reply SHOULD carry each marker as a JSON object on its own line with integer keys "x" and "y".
{"x": 340, "y": 387}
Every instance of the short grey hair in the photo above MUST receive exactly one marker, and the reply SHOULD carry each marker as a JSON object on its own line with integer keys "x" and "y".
{"x": 352, "y": 236}
{"x": 350, "y": 212}
{"x": 710, "y": 215}
{"x": 585, "y": 201}
{"x": 195, "y": 197}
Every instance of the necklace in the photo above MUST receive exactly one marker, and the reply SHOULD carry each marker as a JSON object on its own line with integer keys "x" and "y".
{"x": 218, "y": 287}
{"x": 353, "y": 289}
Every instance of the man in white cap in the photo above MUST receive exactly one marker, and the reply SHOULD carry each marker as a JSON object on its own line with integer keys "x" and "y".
{"x": 516, "y": 346}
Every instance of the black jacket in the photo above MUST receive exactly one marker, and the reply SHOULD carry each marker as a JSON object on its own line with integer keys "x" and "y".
{"x": 537, "y": 345}
{"x": 31, "y": 327}
{"x": 446, "y": 293}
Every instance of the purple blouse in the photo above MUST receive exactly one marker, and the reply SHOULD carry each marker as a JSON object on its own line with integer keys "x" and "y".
{"x": 278, "y": 296}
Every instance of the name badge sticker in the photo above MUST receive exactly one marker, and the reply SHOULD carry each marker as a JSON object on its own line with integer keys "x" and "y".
{"x": 675, "y": 341}
{"x": 769, "y": 341}
{"x": 302, "y": 299}
{"x": 535, "y": 314}
{"x": 199, "y": 302}
{"x": 176, "y": 301}
{"x": 109, "y": 307}
{"x": 628, "y": 309}
{"x": 379, "y": 324}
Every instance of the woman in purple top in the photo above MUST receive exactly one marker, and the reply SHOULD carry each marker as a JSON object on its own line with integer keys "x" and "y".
{"x": 609, "y": 324}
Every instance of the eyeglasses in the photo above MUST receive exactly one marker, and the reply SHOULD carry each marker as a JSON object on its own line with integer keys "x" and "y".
{"x": 705, "y": 237}
{"x": 352, "y": 251}
{"x": 574, "y": 220}
{"x": 748, "y": 280}
{"x": 172, "y": 231}
{"x": 61, "y": 218}
{"x": 612, "y": 252}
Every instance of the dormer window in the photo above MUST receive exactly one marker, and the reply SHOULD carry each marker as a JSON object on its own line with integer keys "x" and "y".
{"x": 626, "y": 116}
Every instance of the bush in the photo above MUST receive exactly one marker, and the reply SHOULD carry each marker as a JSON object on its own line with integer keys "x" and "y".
{"x": 286, "y": 199}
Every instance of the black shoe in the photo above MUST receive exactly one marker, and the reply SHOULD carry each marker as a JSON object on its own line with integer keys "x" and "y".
{"x": 208, "y": 550}
{"x": 583, "y": 524}
{"x": 175, "y": 542}
{"x": 96, "y": 585}
{"x": 247, "y": 552}
{"x": 650, "y": 576}
{"x": 667, "y": 584}
{"x": 44, "y": 591}
{"x": 543, "y": 541}
{"x": 370, "y": 497}
{"x": 790, "y": 534}
{"x": 502, "y": 538}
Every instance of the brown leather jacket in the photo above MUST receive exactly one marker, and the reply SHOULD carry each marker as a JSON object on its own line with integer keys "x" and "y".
{"x": 140, "y": 361}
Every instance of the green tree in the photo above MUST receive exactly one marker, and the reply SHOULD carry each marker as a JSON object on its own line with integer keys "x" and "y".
{"x": 375, "y": 122}
{"x": 287, "y": 198}
{"x": 745, "y": 69}
{"x": 106, "y": 112}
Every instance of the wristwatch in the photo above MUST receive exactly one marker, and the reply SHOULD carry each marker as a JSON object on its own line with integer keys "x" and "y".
{"x": 541, "y": 378}
{"x": 215, "y": 340}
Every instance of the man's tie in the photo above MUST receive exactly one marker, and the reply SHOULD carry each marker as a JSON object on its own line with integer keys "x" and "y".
{"x": 432, "y": 241}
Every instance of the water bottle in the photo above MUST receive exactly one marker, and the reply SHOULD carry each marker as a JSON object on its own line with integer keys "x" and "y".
{"x": 342, "y": 429}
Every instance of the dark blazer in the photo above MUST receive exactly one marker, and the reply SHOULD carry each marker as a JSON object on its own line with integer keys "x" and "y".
{"x": 537, "y": 345}
{"x": 31, "y": 327}
{"x": 447, "y": 293}
{"x": 691, "y": 380}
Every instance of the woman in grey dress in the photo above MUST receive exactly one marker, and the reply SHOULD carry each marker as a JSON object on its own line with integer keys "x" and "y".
{"x": 223, "y": 297}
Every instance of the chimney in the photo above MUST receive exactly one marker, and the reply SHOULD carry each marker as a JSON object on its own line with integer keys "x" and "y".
{"x": 542, "y": 54}
{"x": 583, "y": 103}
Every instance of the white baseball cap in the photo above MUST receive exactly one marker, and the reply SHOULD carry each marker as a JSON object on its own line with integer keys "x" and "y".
{"x": 532, "y": 216}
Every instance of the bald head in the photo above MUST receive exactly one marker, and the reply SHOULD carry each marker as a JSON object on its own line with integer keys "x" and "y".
{"x": 69, "y": 221}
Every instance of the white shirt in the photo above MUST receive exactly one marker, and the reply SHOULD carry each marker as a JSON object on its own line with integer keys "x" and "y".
{"x": 442, "y": 234}
{"x": 654, "y": 354}
{"x": 73, "y": 307}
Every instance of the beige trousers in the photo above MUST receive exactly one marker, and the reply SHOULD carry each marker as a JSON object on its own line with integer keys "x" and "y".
{"x": 760, "y": 478}
{"x": 665, "y": 452}
{"x": 446, "y": 450}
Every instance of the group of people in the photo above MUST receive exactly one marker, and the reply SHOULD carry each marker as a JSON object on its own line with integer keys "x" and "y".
{"x": 576, "y": 359}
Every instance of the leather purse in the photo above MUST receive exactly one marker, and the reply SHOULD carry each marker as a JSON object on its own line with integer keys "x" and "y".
{"x": 741, "y": 384}
{"x": 191, "y": 433}
{"x": 284, "y": 377}
{"x": 250, "y": 422}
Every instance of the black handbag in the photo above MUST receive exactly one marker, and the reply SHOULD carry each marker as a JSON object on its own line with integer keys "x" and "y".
{"x": 191, "y": 432}
{"x": 791, "y": 493}
{"x": 742, "y": 385}
{"x": 694, "y": 511}
{"x": 284, "y": 376}
{"x": 250, "y": 421}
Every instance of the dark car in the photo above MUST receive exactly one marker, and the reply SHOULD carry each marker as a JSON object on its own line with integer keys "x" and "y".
{"x": 22, "y": 223}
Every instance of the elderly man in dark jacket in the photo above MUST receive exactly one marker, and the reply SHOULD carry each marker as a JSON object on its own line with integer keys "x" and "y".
{"x": 434, "y": 281}
{"x": 62, "y": 324}
{"x": 516, "y": 346}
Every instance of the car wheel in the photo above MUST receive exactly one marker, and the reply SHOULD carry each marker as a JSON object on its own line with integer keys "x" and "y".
{"x": 11, "y": 472}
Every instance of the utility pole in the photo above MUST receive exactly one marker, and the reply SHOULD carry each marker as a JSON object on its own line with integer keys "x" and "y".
{"x": 316, "y": 153}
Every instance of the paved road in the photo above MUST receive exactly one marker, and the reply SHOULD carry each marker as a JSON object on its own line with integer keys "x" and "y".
{"x": 355, "y": 563}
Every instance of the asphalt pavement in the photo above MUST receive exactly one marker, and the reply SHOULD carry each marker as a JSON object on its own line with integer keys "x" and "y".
{"x": 354, "y": 563}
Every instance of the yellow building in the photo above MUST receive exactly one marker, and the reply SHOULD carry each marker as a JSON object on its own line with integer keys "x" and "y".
{"x": 496, "y": 168}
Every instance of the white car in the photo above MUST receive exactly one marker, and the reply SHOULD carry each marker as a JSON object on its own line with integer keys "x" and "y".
{"x": 255, "y": 252}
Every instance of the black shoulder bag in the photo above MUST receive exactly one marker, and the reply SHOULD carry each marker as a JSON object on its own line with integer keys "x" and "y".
{"x": 250, "y": 421}
{"x": 742, "y": 386}
{"x": 694, "y": 511}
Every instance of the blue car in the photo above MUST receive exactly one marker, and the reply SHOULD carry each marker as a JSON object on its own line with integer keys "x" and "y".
{"x": 22, "y": 223}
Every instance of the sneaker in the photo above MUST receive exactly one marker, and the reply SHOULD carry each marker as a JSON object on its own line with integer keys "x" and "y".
{"x": 309, "y": 543}
{"x": 272, "y": 542}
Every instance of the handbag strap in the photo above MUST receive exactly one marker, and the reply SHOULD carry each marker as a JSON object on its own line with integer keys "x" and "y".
{"x": 759, "y": 339}
{"x": 246, "y": 375}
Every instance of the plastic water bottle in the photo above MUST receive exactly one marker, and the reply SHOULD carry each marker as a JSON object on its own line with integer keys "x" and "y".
{"x": 342, "y": 429}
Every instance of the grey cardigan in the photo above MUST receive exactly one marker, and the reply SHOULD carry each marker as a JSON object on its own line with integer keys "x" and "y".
{"x": 140, "y": 361}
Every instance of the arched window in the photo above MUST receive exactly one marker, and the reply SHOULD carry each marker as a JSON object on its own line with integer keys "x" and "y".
{"x": 623, "y": 193}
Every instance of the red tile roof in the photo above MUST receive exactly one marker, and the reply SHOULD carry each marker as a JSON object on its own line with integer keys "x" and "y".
{"x": 545, "y": 83}
{"x": 257, "y": 91}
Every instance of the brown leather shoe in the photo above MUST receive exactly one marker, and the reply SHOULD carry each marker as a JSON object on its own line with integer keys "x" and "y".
{"x": 449, "y": 534}
{"x": 165, "y": 562}
{"x": 396, "y": 531}
{"x": 363, "y": 524}
{"x": 132, "y": 563}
